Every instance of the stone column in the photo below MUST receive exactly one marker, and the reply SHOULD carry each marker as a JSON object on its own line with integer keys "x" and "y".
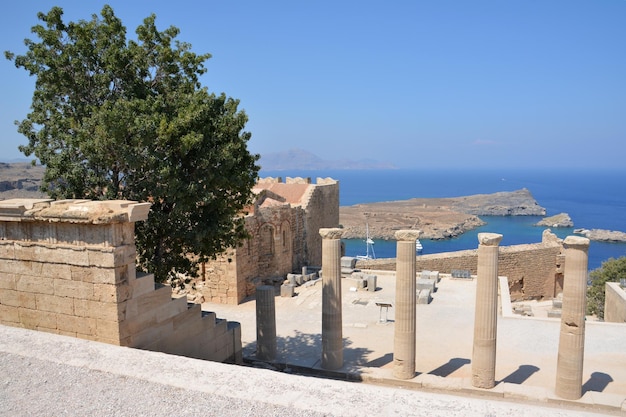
{"x": 569, "y": 368}
{"x": 332, "y": 337}
{"x": 265, "y": 323}
{"x": 486, "y": 313}
{"x": 404, "y": 331}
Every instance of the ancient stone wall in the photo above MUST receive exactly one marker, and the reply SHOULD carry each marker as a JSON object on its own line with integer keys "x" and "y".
{"x": 534, "y": 271}
{"x": 321, "y": 206}
{"x": 614, "y": 303}
{"x": 68, "y": 267}
{"x": 284, "y": 237}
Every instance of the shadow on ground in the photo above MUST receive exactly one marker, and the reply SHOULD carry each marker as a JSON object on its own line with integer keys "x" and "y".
{"x": 450, "y": 367}
{"x": 305, "y": 350}
{"x": 597, "y": 382}
{"x": 521, "y": 374}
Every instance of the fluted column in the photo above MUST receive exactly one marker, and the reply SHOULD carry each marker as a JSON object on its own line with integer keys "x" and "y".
{"x": 569, "y": 368}
{"x": 265, "y": 323}
{"x": 486, "y": 313}
{"x": 404, "y": 330}
{"x": 332, "y": 338}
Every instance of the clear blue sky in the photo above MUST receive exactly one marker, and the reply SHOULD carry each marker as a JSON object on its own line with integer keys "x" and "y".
{"x": 515, "y": 83}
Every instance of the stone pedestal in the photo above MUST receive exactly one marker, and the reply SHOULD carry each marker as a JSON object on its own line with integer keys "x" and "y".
{"x": 569, "y": 368}
{"x": 332, "y": 336}
{"x": 265, "y": 323}
{"x": 486, "y": 312}
{"x": 404, "y": 332}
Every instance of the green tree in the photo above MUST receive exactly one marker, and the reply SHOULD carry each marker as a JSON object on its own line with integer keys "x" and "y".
{"x": 113, "y": 118}
{"x": 611, "y": 270}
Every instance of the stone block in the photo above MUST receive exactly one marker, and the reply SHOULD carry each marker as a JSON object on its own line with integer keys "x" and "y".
{"x": 7, "y": 250}
{"x": 35, "y": 320}
{"x": 9, "y": 314}
{"x": 299, "y": 279}
{"x": 348, "y": 262}
{"x": 208, "y": 320}
{"x": 461, "y": 273}
{"x": 57, "y": 271}
{"x": 555, "y": 313}
{"x": 101, "y": 275}
{"x": 171, "y": 309}
{"x": 108, "y": 330}
{"x": 34, "y": 284}
{"x": 18, "y": 299}
{"x": 424, "y": 297}
{"x": 100, "y": 310}
{"x": 7, "y": 281}
{"x": 19, "y": 267}
{"x": 149, "y": 301}
{"x": 291, "y": 279}
{"x": 68, "y": 233}
{"x": 15, "y": 231}
{"x": 346, "y": 271}
{"x": 82, "y": 325}
{"x": 55, "y": 304}
{"x": 557, "y": 303}
{"x": 143, "y": 283}
{"x": 426, "y": 284}
{"x": 425, "y": 274}
{"x": 73, "y": 289}
{"x": 138, "y": 323}
{"x": 371, "y": 282}
{"x": 435, "y": 275}
{"x": 111, "y": 257}
{"x": 150, "y": 335}
{"x": 191, "y": 317}
{"x": 51, "y": 253}
{"x": 286, "y": 290}
{"x": 111, "y": 293}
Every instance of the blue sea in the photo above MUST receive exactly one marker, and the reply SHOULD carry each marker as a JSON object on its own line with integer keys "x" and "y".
{"x": 594, "y": 199}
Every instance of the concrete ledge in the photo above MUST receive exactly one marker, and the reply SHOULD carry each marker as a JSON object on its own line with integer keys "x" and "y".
{"x": 131, "y": 379}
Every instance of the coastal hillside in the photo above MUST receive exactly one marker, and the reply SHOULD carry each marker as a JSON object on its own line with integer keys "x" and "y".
{"x": 20, "y": 180}
{"x": 437, "y": 218}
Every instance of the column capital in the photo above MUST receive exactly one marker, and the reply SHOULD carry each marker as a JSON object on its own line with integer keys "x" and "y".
{"x": 489, "y": 239}
{"x": 578, "y": 242}
{"x": 331, "y": 233}
{"x": 408, "y": 235}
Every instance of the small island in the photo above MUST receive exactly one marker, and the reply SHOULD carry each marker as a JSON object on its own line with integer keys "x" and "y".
{"x": 558, "y": 220}
{"x": 601, "y": 235}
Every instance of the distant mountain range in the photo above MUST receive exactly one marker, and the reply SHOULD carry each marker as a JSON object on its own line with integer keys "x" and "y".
{"x": 304, "y": 160}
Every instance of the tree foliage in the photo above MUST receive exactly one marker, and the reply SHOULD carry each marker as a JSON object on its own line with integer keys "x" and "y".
{"x": 610, "y": 271}
{"x": 113, "y": 118}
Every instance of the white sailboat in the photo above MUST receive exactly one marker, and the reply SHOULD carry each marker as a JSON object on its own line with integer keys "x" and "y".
{"x": 369, "y": 248}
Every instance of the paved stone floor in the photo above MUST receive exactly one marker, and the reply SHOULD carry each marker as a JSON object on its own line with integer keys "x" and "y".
{"x": 526, "y": 348}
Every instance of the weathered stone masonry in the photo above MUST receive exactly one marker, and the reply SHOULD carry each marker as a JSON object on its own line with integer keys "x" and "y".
{"x": 68, "y": 267}
{"x": 283, "y": 224}
{"x": 534, "y": 271}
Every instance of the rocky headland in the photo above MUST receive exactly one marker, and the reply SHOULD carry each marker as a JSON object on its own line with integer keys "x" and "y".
{"x": 437, "y": 218}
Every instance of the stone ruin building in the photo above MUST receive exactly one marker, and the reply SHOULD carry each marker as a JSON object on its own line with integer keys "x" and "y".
{"x": 68, "y": 267}
{"x": 283, "y": 224}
